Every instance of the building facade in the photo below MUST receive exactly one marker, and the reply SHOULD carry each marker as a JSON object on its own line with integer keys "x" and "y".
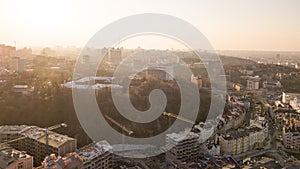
{"x": 253, "y": 83}
{"x": 17, "y": 65}
{"x": 13, "y": 159}
{"x": 291, "y": 137}
{"x": 241, "y": 141}
{"x": 182, "y": 148}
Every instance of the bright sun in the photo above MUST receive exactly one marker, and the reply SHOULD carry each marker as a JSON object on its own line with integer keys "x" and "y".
{"x": 41, "y": 13}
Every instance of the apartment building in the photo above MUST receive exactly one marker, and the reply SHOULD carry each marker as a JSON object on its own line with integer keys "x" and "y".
{"x": 243, "y": 140}
{"x": 183, "y": 147}
{"x": 17, "y": 65}
{"x": 291, "y": 137}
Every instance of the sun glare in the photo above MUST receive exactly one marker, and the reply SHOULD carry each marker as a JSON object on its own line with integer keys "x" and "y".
{"x": 41, "y": 14}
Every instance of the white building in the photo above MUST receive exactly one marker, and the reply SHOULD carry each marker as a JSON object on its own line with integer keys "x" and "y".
{"x": 182, "y": 148}
{"x": 291, "y": 99}
{"x": 23, "y": 89}
{"x": 253, "y": 83}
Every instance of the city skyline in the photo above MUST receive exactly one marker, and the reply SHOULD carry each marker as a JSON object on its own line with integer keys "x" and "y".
{"x": 230, "y": 25}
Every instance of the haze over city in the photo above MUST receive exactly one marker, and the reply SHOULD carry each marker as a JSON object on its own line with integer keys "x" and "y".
{"x": 149, "y": 84}
{"x": 228, "y": 25}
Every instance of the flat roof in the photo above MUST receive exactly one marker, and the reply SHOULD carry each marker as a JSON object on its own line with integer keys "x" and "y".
{"x": 9, "y": 155}
{"x": 182, "y": 136}
{"x": 36, "y": 133}
{"x": 94, "y": 150}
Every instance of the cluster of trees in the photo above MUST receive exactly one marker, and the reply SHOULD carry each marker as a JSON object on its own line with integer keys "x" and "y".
{"x": 140, "y": 100}
{"x": 48, "y": 104}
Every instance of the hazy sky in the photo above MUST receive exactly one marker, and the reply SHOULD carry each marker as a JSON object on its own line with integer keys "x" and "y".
{"x": 228, "y": 24}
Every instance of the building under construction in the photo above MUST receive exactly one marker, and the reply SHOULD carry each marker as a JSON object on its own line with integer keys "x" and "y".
{"x": 34, "y": 141}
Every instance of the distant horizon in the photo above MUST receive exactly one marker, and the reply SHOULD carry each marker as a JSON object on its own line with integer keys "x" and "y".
{"x": 67, "y": 46}
{"x": 270, "y": 25}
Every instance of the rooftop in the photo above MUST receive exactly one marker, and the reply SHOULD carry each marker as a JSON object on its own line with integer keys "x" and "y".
{"x": 20, "y": 87}
{"x": 36, "y": 133}
{"x": 83, "y": 83}
{"x": 233, "y": 134}
{"x": 14, "y": 129}
{"x": 9, "y": 155}
{"x": 94, "y": 150}
{"x": 71, "y": 160}
{"x": 185, "y": 135}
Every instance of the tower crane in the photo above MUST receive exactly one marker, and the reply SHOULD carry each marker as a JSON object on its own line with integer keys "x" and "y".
{"x": 11, "y": 141}
{"x": 47, "y": 129}
{"x": 178, "y": 117}
{"x": 130, "y": 132}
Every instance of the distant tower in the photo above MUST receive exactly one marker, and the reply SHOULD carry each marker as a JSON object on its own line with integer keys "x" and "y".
{"x": 115, "y": 55}
{"x": 248, "y": 112}
{"x": 17, "y": 65}
{"x": 85, "y": 59}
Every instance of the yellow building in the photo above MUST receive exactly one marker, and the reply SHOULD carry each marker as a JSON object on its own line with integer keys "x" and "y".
{"x": 241, "y": 141}
{"x": 197, "y": 80}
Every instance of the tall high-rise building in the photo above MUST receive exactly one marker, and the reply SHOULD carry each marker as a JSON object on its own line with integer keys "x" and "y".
{"x": 6, "y": 50}
{"x": 115, "y": 55}
{"x": 17, "y": 65}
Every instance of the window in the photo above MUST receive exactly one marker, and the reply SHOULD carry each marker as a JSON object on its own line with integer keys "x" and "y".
{"x": 21, "y": 165}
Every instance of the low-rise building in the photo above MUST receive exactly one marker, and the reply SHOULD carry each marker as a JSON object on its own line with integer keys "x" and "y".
{"x": 23, "y": 89}
{"x": 70, "y": 161}
{"x": 160, "y": 72}
{"x": 271, "y": 84}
